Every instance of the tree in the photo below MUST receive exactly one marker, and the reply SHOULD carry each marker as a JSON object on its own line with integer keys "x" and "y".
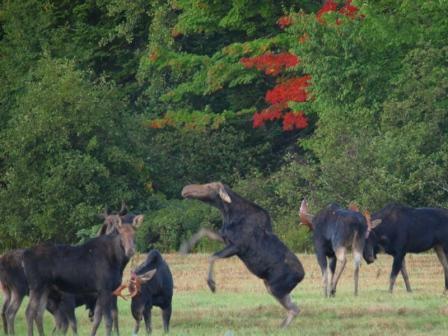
{"x": 67, "y": 152}
{"x": 370, "y": 143}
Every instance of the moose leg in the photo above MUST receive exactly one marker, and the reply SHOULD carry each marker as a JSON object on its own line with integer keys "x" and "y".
{"x": 396, "y": 267}
{"x": 291, "y": 307}
{"x": 137, "y": 313}
{"x": 342, "y": 260}
{"x": 444, "y": 261}
{"x": 405, "y": 275}
{"x": 115, "y": 315}
{"x": 332, "y": 267}
{"x": 107, "y": 312}
{"x": 166, "y": 316}
{"x": 147, "y": 317}
{"x": 357, "y": 248}
{"x": 322, "y": 261}
{"x": 228, "y": 251}
{"x": 188, "y": 245}
{"x": 31, "y": 310}
{"x": 39, "y": 317}
{"x": 6, "y": 301}
{"x": 97, "y": 316}
{"x": 71, "y": 317}
{"x": 357, "y": 257}
{"x": 61, "y": 323}
{"x": 11, "y": 311}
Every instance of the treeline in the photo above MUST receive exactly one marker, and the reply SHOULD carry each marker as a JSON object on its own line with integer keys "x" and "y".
{"x": 104, "y": 101}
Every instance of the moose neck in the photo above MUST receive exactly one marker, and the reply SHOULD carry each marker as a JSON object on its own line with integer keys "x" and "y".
{"x": 232, "y": 212}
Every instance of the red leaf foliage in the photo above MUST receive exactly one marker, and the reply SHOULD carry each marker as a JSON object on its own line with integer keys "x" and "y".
{"x": 294, "y": 120}
{"x": 330, "y": 6}
{"x": 293, "y": 89}
{"x": 284, "y": 21}
{"x": 271, "y": 64}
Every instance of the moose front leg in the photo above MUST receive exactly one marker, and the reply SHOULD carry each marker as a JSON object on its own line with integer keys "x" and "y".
{"x": 396, "y": 268}
{"x": 405, "y": 275}
{"x": 228, "y": 251}
{"x": 188, "y": 245}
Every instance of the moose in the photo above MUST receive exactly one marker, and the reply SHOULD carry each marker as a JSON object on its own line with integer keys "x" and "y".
{"x": 246, "y": 232}
{"x": 399, "y": 229}
{"x": 95, "y": 267}
{"x": 15, "y": 288}
{"x": 336, "y": 229}
{"x": 61, "y": 305}
{"x": 150, "y": 284}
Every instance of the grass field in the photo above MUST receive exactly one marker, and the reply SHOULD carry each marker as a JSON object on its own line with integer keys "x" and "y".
{"x": 241, "y": 305}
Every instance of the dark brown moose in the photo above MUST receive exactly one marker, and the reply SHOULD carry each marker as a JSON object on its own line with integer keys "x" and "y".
{"x": 246, "y": 232}
{"x": 95, "y": 267}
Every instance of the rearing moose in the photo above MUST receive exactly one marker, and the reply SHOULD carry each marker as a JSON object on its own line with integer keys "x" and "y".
{"x": 246, "y": 233}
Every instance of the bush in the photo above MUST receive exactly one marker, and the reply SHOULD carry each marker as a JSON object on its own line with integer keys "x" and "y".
{"x": 176, "y": 221}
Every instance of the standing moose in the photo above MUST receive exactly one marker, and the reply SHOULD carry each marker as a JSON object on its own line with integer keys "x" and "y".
{"x": 95, "y": 267}
{"x": 246, "y": 232}
{"x": 334, "y": 230}
{"x": 399, "y": 229}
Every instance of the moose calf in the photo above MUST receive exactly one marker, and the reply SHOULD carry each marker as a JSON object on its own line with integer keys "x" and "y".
{"x": 151, "y": 284}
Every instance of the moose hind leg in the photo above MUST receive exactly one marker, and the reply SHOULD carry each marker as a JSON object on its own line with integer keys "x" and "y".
{"x": 32, "y": 309}
{"x": 322, "y": 261}
{"x": 39, "y": 317}
{"x": 444, "y": 261}
{"x": 342, "y": 260}
{"x": 292, "y": 310}
{"x": 12, "y": 309}
{"x": 6, "y": 302}
{"x": 166, "y": 316}
{"x": 147, "y": 316}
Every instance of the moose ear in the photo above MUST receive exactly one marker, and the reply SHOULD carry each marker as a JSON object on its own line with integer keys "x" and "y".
{"x": 224, "y": 195}
{"x": 103, "y": 230}
{"x": 110, "y": 223}
{"x": 147, "y": 276}
{"x": 138, "y": 220}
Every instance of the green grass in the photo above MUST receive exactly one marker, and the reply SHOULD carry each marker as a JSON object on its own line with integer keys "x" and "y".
{"x": 242, "y": 307}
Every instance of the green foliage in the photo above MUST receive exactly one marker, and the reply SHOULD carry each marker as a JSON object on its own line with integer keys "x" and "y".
{"x": 65, "y": 155}
{"x": 380, "y": 99}
{"x": 175, "y": 222}
{"x": 178, "y": 157}
{"x": 109, "y": 100}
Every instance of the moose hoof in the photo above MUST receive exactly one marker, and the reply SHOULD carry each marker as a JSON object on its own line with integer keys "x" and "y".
{"x": 211, "y": 284}
{"x": 291, "y": 315}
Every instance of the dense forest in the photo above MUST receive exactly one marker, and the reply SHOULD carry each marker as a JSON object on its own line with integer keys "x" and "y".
{"x": 104, "y": 101}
